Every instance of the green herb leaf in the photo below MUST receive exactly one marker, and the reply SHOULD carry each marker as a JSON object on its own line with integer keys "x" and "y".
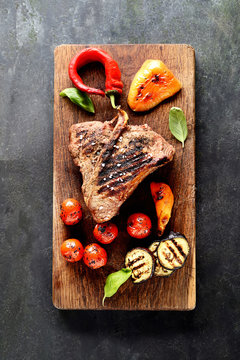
{"x": 114, "y": 281}
{"x": 79, "y": 98}
{"x": 178, "y": 124}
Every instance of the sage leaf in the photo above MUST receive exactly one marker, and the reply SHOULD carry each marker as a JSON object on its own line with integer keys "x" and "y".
{"x": 79, "y": 98}
{"x": 114, "y": 281}
{"x": 178, "y": 124}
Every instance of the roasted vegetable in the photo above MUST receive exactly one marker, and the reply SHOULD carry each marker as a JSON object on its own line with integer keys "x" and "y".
{"x": 94, "y": 256}
{"x": 141, "y": 262}
{"x": 113, "y": 82}
{"x": 152, "y": 84}
{"x": 173, "y": 251}
{"x": 72, "y": 250}
{"x": 153, "y": 247}
{"x": 106, "y": 232}
{"x": 139, "y": 225}
{"x": 159, "y": 270}
{"x": 163, "y": 199}
{"x": 71, "y": 211}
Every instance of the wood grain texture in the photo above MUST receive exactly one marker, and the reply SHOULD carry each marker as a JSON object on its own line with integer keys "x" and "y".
{"x": 74, "y": 285}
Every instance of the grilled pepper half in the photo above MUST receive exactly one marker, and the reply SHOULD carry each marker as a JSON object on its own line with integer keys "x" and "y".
{"x": 113, "y": 84}
{"x": 152, "y": 84}
{"x": 163, "y": 199}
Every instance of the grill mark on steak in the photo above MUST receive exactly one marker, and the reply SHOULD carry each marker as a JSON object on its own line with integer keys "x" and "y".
{"x": 81, "y": 132}
{"x": 135, "y": 145}
{"x": 91, "y": 141}
{"x": 133, "y": 170}
{"x": 108, "y": 148}
{"x": 106, "y": 155}
{"x": 140, "y": 142}
{"x": 110, "y": 190}
{"x": 122, "y": 162}
{"x": 118, "y": 167}
{"x": 121, "y": 157}
{"x": 88, "y": 151}
{"x": 123, "y": 172}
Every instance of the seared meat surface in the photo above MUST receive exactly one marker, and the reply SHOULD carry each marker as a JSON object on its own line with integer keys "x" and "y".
{"x": 86, "y": 142}
{"x": 113, "y": 160}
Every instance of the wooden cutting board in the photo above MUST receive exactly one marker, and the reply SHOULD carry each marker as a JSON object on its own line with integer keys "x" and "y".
{"x": 74, "y": 285}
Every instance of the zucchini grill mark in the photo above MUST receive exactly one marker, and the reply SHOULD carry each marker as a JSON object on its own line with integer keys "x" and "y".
{"x": 172, "y": 252}
{"x": 141, "y": 262}
{"x": 159, "y": 269}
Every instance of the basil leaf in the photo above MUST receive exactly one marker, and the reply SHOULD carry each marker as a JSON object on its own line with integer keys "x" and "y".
{"x": 114, "y": 281}
{"x": 79, "y": 98}
{"x": 178, "y": 124}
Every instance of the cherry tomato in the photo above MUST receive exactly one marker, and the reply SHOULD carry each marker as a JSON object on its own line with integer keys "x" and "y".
{"x": 94, "y": 256}
{"x": 139, "y": 225}
{"x": 71, "y": 211}
{"x": 105, "y": 233}
{"x": 72, "y": 250}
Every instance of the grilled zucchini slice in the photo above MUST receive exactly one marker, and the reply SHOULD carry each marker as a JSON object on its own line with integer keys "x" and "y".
{"x": 159, "y": 270}
{"x": 153, "y": 247}
{"x": 141, "y": 262}
{"x": 173, "y": 251}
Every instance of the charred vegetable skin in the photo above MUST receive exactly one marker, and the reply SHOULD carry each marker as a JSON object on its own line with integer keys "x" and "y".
{"x": 152, "y": 84}
{"x": 72, "y": 250}
{"x": 113, "y": 84}
{"x": 141, "y": 262}
{"x": 106, "y": 232}
{"x": 159, "y": 269}
{"x": 71, "y": 211}
{"x": 163, "y": 199}
{"x": 173, "y": 251}
{"x": 139, "y": 226}
{"x": 94, "y": 256}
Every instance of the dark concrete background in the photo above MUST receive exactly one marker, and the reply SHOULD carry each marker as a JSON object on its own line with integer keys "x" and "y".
{"x": 30, "y": 327}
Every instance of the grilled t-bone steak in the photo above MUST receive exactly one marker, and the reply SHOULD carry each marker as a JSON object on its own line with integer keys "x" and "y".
{"x": 113, "y": 160}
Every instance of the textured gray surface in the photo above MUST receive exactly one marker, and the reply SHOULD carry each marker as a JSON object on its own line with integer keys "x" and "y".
{"x": 30, "y": 328}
